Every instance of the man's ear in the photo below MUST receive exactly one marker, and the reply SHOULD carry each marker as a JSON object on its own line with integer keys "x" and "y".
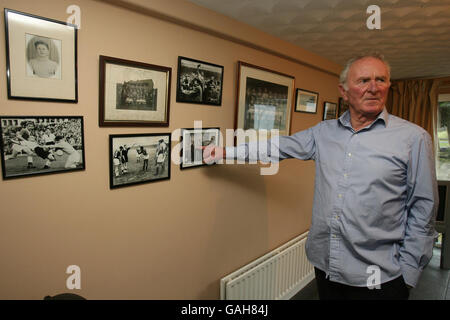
{"x": 343, "y": 92}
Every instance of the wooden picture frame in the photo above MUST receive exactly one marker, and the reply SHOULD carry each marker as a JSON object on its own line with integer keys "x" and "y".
{"x": 41, "y": 58}
{"x": 133, "y": 93}
{"x": 37, "y": 145}
{"x": 329, "y": 110}
{"x": 342, "y": 107}
{"x": 306, "y": 101}
{"x": 191, "y": 141}
{"x": 138, "y": 158}
{"x": 199, "y": 82}
{"x": 264, "y": 99}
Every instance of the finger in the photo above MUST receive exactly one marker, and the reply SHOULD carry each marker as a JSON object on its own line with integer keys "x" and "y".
{"x": 209, "y": 160}
{"x": 206, "y": 150}
{"x": 208, "y": 157}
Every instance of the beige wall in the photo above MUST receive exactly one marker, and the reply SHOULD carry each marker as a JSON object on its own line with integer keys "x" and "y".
{"x": 166, "y": 240}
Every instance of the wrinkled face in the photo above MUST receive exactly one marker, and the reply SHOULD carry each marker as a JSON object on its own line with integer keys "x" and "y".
{"x": 367, "y": 86}
{"x": 42, "y": 50}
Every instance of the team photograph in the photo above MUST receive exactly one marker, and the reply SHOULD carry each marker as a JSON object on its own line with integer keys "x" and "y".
{"x": 199, "y": 82}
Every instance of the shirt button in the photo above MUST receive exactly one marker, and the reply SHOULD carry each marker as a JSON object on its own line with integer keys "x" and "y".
{"x": 340, "y": 195}
{"x": 349, "y": 154}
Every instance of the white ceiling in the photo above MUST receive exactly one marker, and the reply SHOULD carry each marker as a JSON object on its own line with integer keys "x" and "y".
{"x": 414, "y": 34}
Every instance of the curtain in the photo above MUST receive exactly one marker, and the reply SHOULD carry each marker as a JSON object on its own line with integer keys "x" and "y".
{"x": 415, "y": 101}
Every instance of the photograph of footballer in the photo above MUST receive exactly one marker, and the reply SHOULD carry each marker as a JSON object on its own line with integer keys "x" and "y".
{"x": 139, "y": 158}
{"x": 41, "y": 58}
{"x": 35, "y": 145}
{"x": 192, "y": 142}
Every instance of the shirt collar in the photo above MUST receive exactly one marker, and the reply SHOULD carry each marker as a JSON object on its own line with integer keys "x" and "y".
{"x": 383, "y": 116}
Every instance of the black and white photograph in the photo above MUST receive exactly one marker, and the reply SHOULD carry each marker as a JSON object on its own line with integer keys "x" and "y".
{"x": 136, "y": 95}
{"x": 133, "y": 93}
{"x": 264, "y": 102}
{"x": 192, "y": 142}
{"x": 139, "y": 158}
{"x": 43, "y": 57}
{"x": 329, "y": 110}
{"x": 41, "y": 145}
{"x": 47, "y": 68}
{"x": 265, "y": 99}
{"x": 199, "y": 82}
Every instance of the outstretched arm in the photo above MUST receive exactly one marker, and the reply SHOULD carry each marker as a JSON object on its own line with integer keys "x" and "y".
{"x": 300, "y": 145}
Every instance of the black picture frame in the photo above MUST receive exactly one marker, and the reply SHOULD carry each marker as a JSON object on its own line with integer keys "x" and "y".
{"x": 133, "y": 94}
{"x": 303, "y": 101}
{"x": 48, "y": 68}
{"x": 141, "y": 164}
{"x": 329, "y": 110}
{"x": 206, "y": 135}
{"x": 26, "y": 151}
{"x": 199, "y": 82}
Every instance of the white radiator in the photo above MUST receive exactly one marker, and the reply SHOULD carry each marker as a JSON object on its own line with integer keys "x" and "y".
{"x": 278, "y": 275}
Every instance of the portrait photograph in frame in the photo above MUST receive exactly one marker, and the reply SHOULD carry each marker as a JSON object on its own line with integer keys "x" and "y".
{"x": 329, "y": 110}
{"x": 342, "y": 107}
{"x": 265, "y": 99}
{"x": 306, "y": 101}
{"x": 41, "y": 58}
{"x": 36, "y": 145}
{"x": 133, "y": 93}
{"x": 192, "y": 140}
{"x": 138, "y": 158}
{"x": 199, "y": 82}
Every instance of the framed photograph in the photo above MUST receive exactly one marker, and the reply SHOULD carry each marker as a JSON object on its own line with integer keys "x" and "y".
{"x": 329, "y": 110}
{"x": 133, "y": 93}
{"x": 264, "y": 99}
{"x": 138, "y": 158}
{"x": 192, "y": 140}
{"x": 32, "y": 145}
{"x": 199, "y": 82}
{"x": 41, "y": 58}
{"x": 306, "y": 101}
{"x": 342, "y": 107}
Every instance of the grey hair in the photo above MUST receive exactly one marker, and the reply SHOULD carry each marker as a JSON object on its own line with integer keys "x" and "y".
{"x": 375, "y": 54}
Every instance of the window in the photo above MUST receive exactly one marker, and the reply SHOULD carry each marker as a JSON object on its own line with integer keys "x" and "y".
{"x": 443, "y": 133}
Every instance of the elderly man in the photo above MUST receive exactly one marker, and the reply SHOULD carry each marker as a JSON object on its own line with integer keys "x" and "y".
{"x": 372, "y": 228}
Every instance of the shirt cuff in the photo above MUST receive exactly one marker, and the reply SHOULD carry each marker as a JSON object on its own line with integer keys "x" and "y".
{"x": 410, "y": 275}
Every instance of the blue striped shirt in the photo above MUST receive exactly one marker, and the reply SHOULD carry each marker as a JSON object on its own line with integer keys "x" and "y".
{"x": 375, "y": 196}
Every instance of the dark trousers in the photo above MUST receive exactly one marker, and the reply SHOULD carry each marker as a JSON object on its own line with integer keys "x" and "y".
{"x": 328, "y": 290}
